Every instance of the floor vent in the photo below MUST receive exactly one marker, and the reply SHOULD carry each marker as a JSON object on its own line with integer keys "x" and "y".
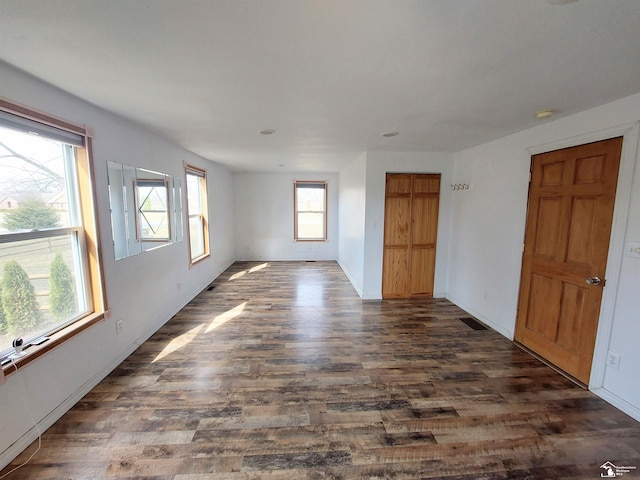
{"x": 473, "y": 323}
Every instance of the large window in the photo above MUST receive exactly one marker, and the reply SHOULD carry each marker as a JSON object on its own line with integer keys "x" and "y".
{"x": 196, "y": 182}
{"x": 310, "y": 205}
{"x": 48, "y": 245}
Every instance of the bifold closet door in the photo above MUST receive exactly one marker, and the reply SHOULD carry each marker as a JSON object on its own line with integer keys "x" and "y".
{"x": 410, "y": 231}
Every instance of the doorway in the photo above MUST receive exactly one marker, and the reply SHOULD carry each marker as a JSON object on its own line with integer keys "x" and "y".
{"x": 568, "y": 227}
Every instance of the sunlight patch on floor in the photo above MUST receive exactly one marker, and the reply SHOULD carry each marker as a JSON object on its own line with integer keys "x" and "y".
{"x": 226, "y": 316}
{"x": 258, "y": 267}
{"x": 178, "y": 342}
{"x": 242, "y": 273}
{"x": 237, "y": 275}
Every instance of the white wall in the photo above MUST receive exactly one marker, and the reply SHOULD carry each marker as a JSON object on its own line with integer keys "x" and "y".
{"x": 142, "y": 290}
{"x": 488, "y": 230}
{"x": 487, "y": 234}
{"x": 263, "y": 208}
{"x": 377, "y": 166}
{"x": 352, "y": 225}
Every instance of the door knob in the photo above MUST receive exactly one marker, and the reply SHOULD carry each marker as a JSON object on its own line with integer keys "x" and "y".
{"x": 593, "y": 281}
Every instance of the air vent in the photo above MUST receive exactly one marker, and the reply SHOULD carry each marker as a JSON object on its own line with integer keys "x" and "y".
{"x": 473, "y": 323}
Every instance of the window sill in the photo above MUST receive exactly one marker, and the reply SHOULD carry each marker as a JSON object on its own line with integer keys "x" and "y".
{"x": 199, "y": 259}
{"x": 35, "y": 351}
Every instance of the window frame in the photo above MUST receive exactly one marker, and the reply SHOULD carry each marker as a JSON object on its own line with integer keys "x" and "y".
{"x": 203, "y": 215}
{"x": 325, "y": 187}
{"x": 151, "y": 182}
{"x": 89, "y": 237}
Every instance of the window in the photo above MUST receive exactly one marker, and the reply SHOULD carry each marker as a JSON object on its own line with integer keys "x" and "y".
{"x": 146, "y": 209}
{"x": 196, "y": 183}
{"x": 49, "y": 272}
{"x": 310, "y": 205}
{"x": 152, "y": 206}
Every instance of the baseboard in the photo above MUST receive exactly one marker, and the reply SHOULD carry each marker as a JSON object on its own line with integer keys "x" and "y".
{"x": 353, "y": 283}
{"x": 487, "y": 321}
{"x": 54, "y": 415}
{"x": 619, "y": 403}
{"x": 603, "y": 393}
{"x": 31, "y": 435}
{"x": 284, "y": 259}
{"x": 190, "y": 296}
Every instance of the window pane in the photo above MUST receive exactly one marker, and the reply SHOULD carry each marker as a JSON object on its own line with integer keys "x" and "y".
{"x": 194, "y": 196}
{"x": 310, "y": 225}
{"x": 196, "y": 237}
{"x": 310, "y": 199}
{"x": 153, "y": 210}
{"x": 197, "y": 209}
{"x": 33, "y": 191}
{"x": 42, "y": 286}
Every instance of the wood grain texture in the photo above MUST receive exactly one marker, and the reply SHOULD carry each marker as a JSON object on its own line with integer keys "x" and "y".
{"x": 282, "y": 372}
{"x": 410, "y": 233}
{"x": 571, "y": 200}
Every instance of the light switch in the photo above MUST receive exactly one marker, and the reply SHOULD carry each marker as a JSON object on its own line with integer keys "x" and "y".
{"x": 633, "y": 249}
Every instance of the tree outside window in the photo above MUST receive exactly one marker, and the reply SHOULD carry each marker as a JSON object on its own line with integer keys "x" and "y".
{"x": 46, "y": 274}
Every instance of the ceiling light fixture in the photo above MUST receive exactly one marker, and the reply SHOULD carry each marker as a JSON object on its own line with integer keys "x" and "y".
{"x": 390, "y": 134}
{"x": 542, "y": 114}
{"x": 267, "y": 131}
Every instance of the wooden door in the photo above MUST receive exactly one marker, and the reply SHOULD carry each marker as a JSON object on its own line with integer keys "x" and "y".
{"x": 425, "y": 196}
{"x": 397, "y": 219}
{"x": 410, "y": 231}
{"x": 571, "y": 198}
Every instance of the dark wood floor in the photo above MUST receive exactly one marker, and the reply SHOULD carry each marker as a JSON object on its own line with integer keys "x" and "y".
{"x": 282, "y": 372}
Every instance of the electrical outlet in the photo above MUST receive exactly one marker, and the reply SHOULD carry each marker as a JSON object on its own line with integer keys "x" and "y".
{"x": 118, "y": 327}
{"x": 613, "y": 360}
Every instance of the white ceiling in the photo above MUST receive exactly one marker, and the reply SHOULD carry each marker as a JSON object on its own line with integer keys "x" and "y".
{"x": 328, "y": 75}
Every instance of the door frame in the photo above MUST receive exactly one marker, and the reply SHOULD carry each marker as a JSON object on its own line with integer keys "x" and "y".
{"x": 630, "y": 133}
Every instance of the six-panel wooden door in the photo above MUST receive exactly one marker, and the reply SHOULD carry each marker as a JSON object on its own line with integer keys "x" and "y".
{"x": 571, "y": 199}
{"x": 410, "y": 231}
